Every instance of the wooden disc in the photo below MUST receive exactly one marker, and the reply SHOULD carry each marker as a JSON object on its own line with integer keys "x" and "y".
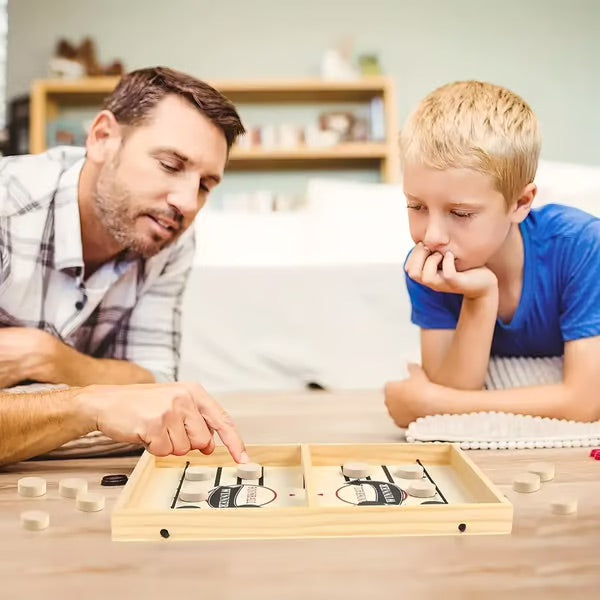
{"x": 544, "y": 469}
{"x": 35, "y": 520}
{"x": 198, "y": 474}
{"x": 249, "y": 471}
{"x": 195, "y": 492}
{"x": 71, "y": 486}
{"x": 89, "y": 502}
{"x": 526, "y": 482}
{"x": 421, "y": 489}
{"x": 31, "y": 486}
{"x": 564, "y": 506}
{"x": 355, "y": 470}
{"x": 409, "y": 472}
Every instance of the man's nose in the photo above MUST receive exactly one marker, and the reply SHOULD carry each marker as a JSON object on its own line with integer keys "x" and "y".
{"x": 185, "y": 199}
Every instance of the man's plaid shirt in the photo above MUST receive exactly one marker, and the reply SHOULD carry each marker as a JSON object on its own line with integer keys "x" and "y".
{"x": 129, "y": 309}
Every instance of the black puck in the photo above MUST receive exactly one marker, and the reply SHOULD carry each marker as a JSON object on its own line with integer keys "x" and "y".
{"x": 114, "y": 480}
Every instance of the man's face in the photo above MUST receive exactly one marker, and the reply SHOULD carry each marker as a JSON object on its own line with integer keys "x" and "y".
{"x": 149, "y": 191}
{"x": 456, "y": 210}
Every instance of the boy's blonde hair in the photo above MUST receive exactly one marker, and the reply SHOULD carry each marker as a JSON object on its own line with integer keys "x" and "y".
{"x": 479, "y": 126}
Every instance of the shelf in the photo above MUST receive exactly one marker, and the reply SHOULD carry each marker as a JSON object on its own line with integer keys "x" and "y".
{"x": 50, "y": 96}
{"x": 278, "y": 90}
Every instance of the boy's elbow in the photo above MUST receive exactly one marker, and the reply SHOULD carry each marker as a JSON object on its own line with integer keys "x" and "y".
{"x": 582, "y": 405}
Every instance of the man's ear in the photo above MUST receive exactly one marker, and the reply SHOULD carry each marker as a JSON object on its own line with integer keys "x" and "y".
{"x": 103, "y": 138}
{"x": 522, "y": 206}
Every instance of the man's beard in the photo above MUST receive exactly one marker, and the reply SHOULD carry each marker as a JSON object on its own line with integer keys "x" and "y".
{"x": 114, "y": 205}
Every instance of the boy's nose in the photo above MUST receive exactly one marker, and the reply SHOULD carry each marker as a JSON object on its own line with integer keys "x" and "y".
{"x": 436, "y": 238}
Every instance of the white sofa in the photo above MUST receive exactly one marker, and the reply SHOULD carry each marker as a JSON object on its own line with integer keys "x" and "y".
{"x": 279, "y": 301}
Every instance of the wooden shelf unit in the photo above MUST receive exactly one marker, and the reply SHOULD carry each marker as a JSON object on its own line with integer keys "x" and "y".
{"x": 49, "y": 95}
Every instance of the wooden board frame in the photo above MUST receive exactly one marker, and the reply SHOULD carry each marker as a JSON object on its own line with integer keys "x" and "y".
{"x": 491, "y": 513}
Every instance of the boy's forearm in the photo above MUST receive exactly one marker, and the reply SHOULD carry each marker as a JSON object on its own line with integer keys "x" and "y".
{"x": 557, "y": 401}
{"x": 465, "y": 365}
{"x": 32, "y": 424}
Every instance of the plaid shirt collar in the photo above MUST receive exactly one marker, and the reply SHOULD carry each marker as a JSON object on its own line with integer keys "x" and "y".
{"x": 68, "y": 249}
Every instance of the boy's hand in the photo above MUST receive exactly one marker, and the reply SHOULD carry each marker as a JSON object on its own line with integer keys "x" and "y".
{"x": 423, "y": 266}
{"x": 407, "y": 400}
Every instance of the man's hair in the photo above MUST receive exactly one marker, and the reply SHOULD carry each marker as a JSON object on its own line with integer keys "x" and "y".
{"x": 138, "y": 92}
{"x": 479, "y": 126}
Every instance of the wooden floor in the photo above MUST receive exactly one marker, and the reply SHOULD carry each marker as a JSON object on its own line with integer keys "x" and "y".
{"x": 546, "y": 556}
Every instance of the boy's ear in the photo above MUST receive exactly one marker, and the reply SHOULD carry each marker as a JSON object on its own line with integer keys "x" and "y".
{"x": 103, "y": 138}
{"x": 522, "y": 206}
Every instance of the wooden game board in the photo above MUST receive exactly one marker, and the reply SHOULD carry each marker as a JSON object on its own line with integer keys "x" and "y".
{"x": 303, "y": 493}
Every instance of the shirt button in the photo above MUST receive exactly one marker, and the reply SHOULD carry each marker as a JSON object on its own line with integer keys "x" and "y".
{"x": 79, "y": 305}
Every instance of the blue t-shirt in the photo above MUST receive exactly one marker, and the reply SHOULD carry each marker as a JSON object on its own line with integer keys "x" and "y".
{"x": 560, "y": 298}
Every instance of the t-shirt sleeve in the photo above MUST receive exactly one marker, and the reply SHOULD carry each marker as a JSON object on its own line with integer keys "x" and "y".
{"x": 580, "y": 300}
{"x": 431, "y": 309}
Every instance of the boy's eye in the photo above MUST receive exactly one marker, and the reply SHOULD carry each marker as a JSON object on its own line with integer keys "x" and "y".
{"x": 416, "y": 207}
{"x": 462, "y": 214}
{"x": 204, "y": 187}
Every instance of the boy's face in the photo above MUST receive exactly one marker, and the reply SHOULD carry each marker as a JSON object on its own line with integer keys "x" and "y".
{"x": 456, "y": 210}
{"x": 153, "y": 184}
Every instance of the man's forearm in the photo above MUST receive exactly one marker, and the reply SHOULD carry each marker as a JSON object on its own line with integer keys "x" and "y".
{"x": 465, "y": 365}
{"x": 32, "y": 424}
{"x": 557, "y": 401}
{"x": 73, "y": 368}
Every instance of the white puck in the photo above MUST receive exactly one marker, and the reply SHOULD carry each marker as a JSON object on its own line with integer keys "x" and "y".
{"x": 564, "y": 506}
{"x": 526, "y": 482}
{"x": 421, "y": 489}
{"x": 355, "y": 470}
{"x": 409, "y": 472}
{"x": 31, "y": 486}
{"x": 198, "y": 474}
{"x": 249, "y": 471}
{"x": 35, "y": 520}
{"x": 72, "y": 486}
{"x": 544, "y": 469}
{"x": 195, "y": 492}
{"x": 89, "y": 502}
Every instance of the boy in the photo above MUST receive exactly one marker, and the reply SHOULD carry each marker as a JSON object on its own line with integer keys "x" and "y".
{"x": 489, "y": 275}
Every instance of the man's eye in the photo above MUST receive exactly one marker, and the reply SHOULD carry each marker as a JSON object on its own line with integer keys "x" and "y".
{"x": 168, "y": 167}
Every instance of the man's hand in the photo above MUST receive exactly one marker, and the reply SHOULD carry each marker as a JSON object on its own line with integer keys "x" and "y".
{"x": 423, "y": 266}
{"x": 167, "y": 418}
{"x": 25, "y": 353}
{"x": 407, "y": 400}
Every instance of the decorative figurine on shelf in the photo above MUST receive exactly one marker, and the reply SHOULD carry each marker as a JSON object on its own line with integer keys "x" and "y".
{"x": 336, "y": 63}
{"x": 72, "y": 61}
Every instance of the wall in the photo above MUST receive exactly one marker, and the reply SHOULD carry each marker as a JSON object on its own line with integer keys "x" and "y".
{"x": 546, "y": 50}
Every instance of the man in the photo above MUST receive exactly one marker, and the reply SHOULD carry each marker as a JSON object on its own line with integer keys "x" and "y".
{"x": 95, "y": 249}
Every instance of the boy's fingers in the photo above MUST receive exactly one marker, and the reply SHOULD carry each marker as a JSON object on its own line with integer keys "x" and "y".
{"x": 416, "y": 260}
{"x": 448, "y": 267}
{"x": 430, "y": 268}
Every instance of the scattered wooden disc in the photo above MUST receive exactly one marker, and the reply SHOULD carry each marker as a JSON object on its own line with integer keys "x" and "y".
{"x": 249, "y": 471}
{"x": 355, "y": 470}
{"x": 195, "y": 492}
{"x": 72, "y": 486}
{"x": 31, "y": 486}
{"x": 526, "y": 482}
{"x": 544, "y": 469}
{"x": 35, "y": 520}
{"x": 409, "y": 472}
{"x": 198, "y": 474}
{"x": 89, "y": 502}
{"x": 564, "y": 506}
{"x": 421, "y": 489}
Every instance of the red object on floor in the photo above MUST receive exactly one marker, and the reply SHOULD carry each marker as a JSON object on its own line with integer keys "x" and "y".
{"x": 595, "y": 452}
